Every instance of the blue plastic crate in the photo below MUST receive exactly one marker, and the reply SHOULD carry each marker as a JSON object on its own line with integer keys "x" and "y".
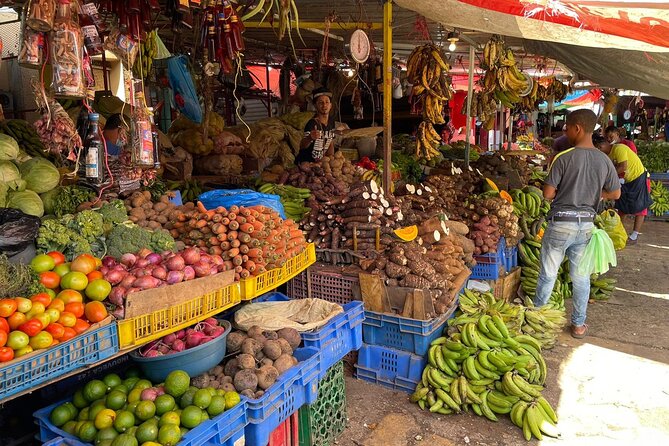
{"x": 225, "y": 429}
{"x": 403, "y": 333}
{"x": 293, "y": 389}
{"x": 60, "y": 441}
{"x": 395, "y": 369}
{"x": 510, "y": 257}
{"x": 334, "y": 340}
{"x": 490, "y": 266}
{"x": 85, "y": 349}
{"x": 659, "y": 176}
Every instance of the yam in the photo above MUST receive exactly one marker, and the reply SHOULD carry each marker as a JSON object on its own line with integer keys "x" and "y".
{"x": 457, "y": 227}
{"x": 267, "y": 376}
{"x": 283, "y": 363}
{"x": 246, "y": 380}
{"x": 231, "y": 367}
{"x": 285, "y": 346}
{"x": 291, "y": 335}
{"x": 272, "y": 349}
{"x": 234, "y": 341}
{"x": 251, "y": 346}
{"x": 246, "y": 361}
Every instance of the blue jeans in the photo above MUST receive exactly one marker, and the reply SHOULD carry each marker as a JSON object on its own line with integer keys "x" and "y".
{"x": 562, "y": 238}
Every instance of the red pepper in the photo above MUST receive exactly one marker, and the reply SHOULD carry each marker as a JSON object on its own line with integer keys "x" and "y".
{"x": 31, "y": 328}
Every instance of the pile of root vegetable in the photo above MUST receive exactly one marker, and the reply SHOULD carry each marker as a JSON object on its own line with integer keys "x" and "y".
{"x": 255, "y": 239}
{"x": 258, "y": 358}
{"x": 491, "y": 218}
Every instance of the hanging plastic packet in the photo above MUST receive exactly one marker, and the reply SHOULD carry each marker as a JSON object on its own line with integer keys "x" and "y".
{"x": 31, "y": 53}
{"x": 598, "y": 254}
{"x": 142, "y": 136}
{"x": 123, "y": 47}
{"x": 40, "y": 16}
{"x": 67, "y": 53}
{"x": 185, "y": 96}
{"x": 89, "y": 29}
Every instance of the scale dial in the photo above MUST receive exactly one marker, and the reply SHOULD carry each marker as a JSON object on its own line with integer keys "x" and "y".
{"x": 360, "y": 46}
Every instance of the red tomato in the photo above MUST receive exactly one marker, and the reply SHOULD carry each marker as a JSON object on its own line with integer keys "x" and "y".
{"x": 94, "y": 275}
{"x": 85, "y": 263}
{"x": 95, "y": 311}
{"x": 32, "y": 327}
{"x": 49, "y": 279}
{"x": 7, "y": 307}
{"x": 4, "y": 326}
{"x": 56, "y": 330}
{"x": 57, "y": 257}
{"x": 67, "y": 319}
{"x": 76, "y": 308}
{"x": 41, "y": 297}
{"x": 58, "y": 304}
{"x": 3, "y": 338}
{"x": 81, "y": 326}
{"x": 68, "y": 334}
{"x": 16, "y": 319}
{"x": 6, "y": 354}
{"x": 68, "y": 296}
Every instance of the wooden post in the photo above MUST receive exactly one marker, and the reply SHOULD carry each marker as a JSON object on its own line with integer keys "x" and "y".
{"x": 470, "y": 92}
{"x": 387, "y": 94}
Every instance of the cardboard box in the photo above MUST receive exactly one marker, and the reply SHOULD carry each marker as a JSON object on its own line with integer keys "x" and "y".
{"x": 507, "y": 287}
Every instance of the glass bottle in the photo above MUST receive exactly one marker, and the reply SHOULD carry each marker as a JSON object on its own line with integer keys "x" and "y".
{"x": 67, "y": 53}
{"x": 142, "y": 137}
{"x": 94, "y": 151}
{"x": 41, "y": 15}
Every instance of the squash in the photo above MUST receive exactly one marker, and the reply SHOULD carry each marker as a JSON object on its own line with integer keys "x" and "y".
{"x": 408, "y": 233}
{"x": 505, "y": 195}
{"x": 490, "y": 185}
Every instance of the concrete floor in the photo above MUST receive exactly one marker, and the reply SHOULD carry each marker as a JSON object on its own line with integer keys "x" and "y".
{"x": 611, "y": 388}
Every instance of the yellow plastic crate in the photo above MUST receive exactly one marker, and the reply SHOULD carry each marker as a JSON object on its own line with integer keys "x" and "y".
{"x": 256, "y": 286}
{"x": 148, "y": 327}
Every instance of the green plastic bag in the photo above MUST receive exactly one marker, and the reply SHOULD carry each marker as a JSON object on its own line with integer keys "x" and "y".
{"x": 610, "y": 221}
{"x": 598, "y": 254}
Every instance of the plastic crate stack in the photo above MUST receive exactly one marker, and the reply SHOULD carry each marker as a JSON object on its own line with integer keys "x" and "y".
{"x": 491, "y": 266}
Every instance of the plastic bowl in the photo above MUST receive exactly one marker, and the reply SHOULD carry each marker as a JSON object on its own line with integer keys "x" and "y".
{"x": 193, "y": 361}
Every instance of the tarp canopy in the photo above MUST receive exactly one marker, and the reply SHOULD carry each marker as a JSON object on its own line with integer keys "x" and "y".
{"x": 632, "y": 70}
{"x": 641, "y": 25}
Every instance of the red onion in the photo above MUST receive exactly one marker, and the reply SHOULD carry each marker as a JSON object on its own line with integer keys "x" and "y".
{"x": 174, "y": 277}
{"x": 114, "y": 276}
{"x": 175, "y": 263}
{"x": 104, "y": 270}
{"x": 216, "y": 260}
{"x": 154, "y": 258}
{"x": 213, "y": 271}
{"x": 189, "y": 273}
{"x": 178, "y": 345}
{"x": 166, "y": 254}
{"x": 131, "y": 290}
{"x": 127, "y": 281}
{"x": 141, "y": 263}
{"x": 128, "y": 259}
{"x": 159, "y": 272}
{"x": 146, "y": 282}
{"x": 108, "y": 261}
{"x": 118, "y": 312}
{"x": 117, "y": 295}
{"x": 201, "y": 269}
{"x": 144, "y": 252}
{"x": 191, "y": 255}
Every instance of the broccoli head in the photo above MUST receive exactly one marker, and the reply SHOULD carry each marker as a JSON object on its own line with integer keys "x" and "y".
{"x": 113, "y": 213}
{"x": 161, "y": 240}
{"x": 89, "y": 223}
{"x": 128, "y": 238}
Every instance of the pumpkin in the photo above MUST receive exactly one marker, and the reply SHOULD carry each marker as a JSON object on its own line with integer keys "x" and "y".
{"x": 408, "y": 233}
{"x": 505, "y": 195}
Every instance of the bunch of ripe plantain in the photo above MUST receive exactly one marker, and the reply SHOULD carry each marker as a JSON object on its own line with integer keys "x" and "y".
{"x": 503, "y": 78}
{"x": 488, "y": 366}
{"x": 427, "y": 141}
{"x": 427, "y": 71}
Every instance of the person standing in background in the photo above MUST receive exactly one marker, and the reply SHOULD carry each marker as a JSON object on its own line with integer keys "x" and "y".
{"x": 618, "y": 135}
{"x": 635, "y": 197}
{"x": 578, "y": 179}
{"x": 112, "y": 134}
{"x": 319, "y": 132}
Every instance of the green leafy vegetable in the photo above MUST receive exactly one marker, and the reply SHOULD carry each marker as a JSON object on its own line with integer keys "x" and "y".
{"x": 41, "y": 175}
{"x": 9, "y": 149}
{"x": 27, "y": 201}
{"x": 9, "y": 172}
{"x": 17, "y": 279}
{"x": 114, "y": 212}
{"x": 67, "y": 199}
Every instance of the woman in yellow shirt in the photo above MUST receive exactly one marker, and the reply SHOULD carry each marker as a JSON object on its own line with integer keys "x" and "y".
{"x": 635, "y": 197}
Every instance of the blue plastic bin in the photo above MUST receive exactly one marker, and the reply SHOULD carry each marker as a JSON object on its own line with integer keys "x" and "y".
{"x": 293, "y": 389}
{"x": 226, "y": 429}
{"x": 334, "y": 340}
{"x": 510, "y": 257}
{"x": 395, "y": 369}
{"x": 490, "y": 266}
{"x": 85, "y": 349}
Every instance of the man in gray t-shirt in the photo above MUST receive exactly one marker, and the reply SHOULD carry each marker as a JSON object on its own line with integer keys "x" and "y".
{"x": 578, "y": 179}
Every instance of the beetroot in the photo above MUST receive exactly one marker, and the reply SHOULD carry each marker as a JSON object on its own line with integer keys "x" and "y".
{"x": 169, "y": 339}
{"x": 194, "y": 339}
{"x": 178, "y": 345}
{"x": 153, "y": 354}
{"x": 180, "y": 334}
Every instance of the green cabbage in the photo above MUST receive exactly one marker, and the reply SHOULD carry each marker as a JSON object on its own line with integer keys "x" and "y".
{"x": 9, "y": 172}
{"x": 41, "y": 175}
{"x": 3, "y": 194}
{"x": 49, "y": 200}
{"x": 27, "y": 201}
{"x": 9, "y": 149}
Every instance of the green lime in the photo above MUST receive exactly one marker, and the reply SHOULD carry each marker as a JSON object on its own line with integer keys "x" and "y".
{"x": 121, "y": 388}
{"x": 115, "y": 400}
{"x": 142, "y": 384}
{"x": 112, "y": 380}
{"x": 130, "y": 382}
{"x": 87, "y": 431}
{"x": 78, "y": 400}
{"x": 60, "y": 415}
{"x": 108, "y": 433}
{"x": 95, "y": 409}
{"x": 205, "y": 416}
{"x": 134, "y": 395}
{"x": 202, "y": 398}
{"x": 131, "y": 407}
{"x": 169, "y": 435}
{"x": 217, "y": 406}
{"x": 145, "y": 410}
{"x": 147, "y": 431}
{"x": 220, "y": 392}
{"x": 170, "y": 417}
{"x": 125, "y": 440}
{"x": 124, "y": 421}
{"x": 94, "y": 390}
{"x": 104, "y": 442}
{"x": 176, "y": 383}
{"x": 187, "y": 398}
{"x": 184, "y": 431}
{"x": 70, "y": 427}
{"x": 211, "y": 390}
{"x": 191, "y": 417}
{"x": 231, "y": 400}
{"x": 73, "y": 410}
{"x": 83, "y": 414}
{"x": 164, "y": 403}
{"x": 132, "y": 431}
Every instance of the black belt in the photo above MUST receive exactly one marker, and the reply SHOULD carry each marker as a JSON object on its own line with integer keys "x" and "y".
{"x": 574, "y": 218}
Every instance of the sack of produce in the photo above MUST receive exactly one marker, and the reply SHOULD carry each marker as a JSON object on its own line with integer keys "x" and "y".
{"x": 299, "y": 314}
{"x": 17, "y": 231}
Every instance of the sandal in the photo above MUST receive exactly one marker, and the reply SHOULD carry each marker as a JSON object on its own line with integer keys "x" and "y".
{"x": 577, "y": 333}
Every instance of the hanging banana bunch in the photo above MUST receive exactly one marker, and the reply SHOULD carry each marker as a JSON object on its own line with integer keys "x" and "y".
{"x": 427, "y": 70}
{"x": 503, "y": 79}
{"x": 148, "y": 51}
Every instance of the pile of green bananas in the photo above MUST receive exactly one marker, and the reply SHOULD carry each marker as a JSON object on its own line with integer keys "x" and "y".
{"x": 190, "y": 189}
{"x": 488, "y": 368}
{"x": 292, "y": 199}
{"x": 529, "y": 202}
{"x": 529, "y": 254}
{"x": 660, "y": 196}
{"x": 601, "y": 288}
{"x": 148, "y": 52}
{"x": 25, "y": 136}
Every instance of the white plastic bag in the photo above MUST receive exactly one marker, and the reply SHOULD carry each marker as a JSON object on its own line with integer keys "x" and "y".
{"x": 300, "y": 314}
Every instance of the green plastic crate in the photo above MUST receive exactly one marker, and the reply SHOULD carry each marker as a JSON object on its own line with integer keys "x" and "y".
{"x": 325, "y": 420}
